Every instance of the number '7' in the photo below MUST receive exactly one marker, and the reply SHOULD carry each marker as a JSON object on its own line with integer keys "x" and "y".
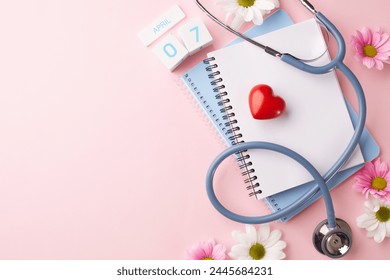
{"x": 196, "y": 29}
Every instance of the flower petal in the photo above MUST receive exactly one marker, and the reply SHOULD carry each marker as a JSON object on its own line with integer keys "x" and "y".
{"x": 237, "y": 22}
{"x": 373, "y": 226}
{"x": 274, "y": 254}
{"x": 380, "y": 233}
{"x": 257, "y": 17}
{"x": 263, "y": 233}
{"x": 196, "y": 253}
{"x": 367, "y": 35}
{"x": 368, "y": 62}
{"x": 266, "y": 5}
{"x": 370, "y": 169}
{"x": 252, "y": 233}
{"x": 269, "y": 239}
{"x": 387, "y": 226}
{"x": 375, "y": 39}
{"x": 279, "y": 245}
{"x": 357, "y": 40}
{"x": 385, "y": 48}
{"x": 378, "y": 64}
{"x": 239, "y": 252}
{"x": 365, "y": 221}
{"x": 275, "y": 2}
{"x": 273, "y": 238}
{"x": 369, "y": 204}
{"x": 208, "y": 248}
{"x": 249, "y": 14}
{"x": 370, "y": 234}
{"x": 231, "y": 8}
{"x": 242, "y": 11}
{"x": 219, "y": 252}
{"x": 384, "y": 40}
{"x": 241, "y": 237}
{"x": 382, "y": 168}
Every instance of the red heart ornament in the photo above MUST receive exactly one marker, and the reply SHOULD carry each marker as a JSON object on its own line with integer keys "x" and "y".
{"x": 264, "y": 105}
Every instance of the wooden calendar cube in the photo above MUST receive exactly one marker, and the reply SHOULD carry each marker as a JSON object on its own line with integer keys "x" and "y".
{"x": 171, "y": 52}
{"x": 195, "y": 35}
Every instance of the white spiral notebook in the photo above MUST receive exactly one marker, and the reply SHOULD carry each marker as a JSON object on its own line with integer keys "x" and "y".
{"x": 316, "y": 122}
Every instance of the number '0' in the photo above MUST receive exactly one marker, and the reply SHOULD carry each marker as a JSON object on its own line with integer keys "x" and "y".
{"x": 170, "y": 50}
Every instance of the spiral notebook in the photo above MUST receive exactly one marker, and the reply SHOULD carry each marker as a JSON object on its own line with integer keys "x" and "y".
{"x": 197, "y": 81}
{"x": 316, "y": 123}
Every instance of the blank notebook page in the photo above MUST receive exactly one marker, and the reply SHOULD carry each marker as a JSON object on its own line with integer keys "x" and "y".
{"x": 315, "y": 124}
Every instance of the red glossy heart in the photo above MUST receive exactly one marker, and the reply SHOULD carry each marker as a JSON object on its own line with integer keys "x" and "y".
{"x": 264, "y": 104}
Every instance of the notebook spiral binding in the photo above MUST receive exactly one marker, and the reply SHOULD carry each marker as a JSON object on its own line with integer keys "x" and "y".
{"x": 204, "y": 103}
{"x": 233, "y": 129}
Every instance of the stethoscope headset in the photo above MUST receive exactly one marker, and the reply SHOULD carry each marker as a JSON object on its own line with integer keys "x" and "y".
{"x": 333, "y": 236}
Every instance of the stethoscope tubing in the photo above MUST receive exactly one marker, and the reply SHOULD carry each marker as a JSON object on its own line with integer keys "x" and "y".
{"x": 339, "y": 57}
{"x": 336, "y": 63}
{"x": 277, "y": 215}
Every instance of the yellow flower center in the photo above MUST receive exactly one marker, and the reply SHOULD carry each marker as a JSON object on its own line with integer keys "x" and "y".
{"x": 383, "y": 214}
{"x": 246, "y": 3}
{"x": 257, "y": 251}
{"x": 369, "y": 51}
{"x": 379, "y": 183}
{"x": 208, "y": 259}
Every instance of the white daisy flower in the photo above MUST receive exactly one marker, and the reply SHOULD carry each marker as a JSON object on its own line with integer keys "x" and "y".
{"x": 376, "y": 219}
{"x": 258, "y": 245}
{"x": 247, "y": 10}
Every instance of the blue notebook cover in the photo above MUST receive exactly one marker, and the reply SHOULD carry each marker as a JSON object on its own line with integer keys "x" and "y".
{"x": 197, "y": 81}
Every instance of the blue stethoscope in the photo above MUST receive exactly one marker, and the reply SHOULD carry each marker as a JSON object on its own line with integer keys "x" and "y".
{"x": 333, "y": 236}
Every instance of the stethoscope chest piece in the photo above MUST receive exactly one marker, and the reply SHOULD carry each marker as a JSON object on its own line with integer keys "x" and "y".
{"x": 334, "y": 242}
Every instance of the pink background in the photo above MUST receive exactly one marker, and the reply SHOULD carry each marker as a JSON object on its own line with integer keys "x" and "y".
{"x": 103, "y": 153}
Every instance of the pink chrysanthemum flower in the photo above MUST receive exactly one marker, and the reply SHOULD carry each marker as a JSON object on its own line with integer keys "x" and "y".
{"x": 373, "y": 179}
{"x": 372, "y": 48}
{"x": 207, "y": 250}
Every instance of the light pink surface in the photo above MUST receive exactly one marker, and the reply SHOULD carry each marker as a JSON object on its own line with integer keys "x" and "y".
{"x": 103, "y": 153}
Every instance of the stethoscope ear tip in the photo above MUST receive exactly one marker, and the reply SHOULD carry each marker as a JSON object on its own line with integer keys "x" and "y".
{"x": 335, "y": 242}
